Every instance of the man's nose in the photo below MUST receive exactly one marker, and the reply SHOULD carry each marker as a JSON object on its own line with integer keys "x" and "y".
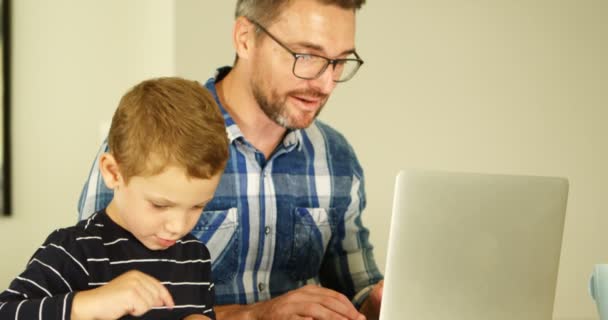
{"x": 325, "y": 82}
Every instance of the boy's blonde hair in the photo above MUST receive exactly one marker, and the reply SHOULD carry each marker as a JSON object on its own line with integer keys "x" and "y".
{"x": 168, "y": 121}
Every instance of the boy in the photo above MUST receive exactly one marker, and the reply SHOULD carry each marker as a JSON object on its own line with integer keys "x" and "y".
{"x": 167, "y": 151}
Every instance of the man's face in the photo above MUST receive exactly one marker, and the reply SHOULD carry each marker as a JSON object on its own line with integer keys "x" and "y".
{"x": 160, "y": 209}
{"x": 304, "y": 27}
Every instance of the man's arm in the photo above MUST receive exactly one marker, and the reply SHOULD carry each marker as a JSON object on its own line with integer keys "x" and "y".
{"x": 349, "y": 265}
{"x": 307, "y": 302}
{"x": 95, "y": 195}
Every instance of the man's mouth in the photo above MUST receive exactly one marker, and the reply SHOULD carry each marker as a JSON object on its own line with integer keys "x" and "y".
{"x": 308, "y": 102}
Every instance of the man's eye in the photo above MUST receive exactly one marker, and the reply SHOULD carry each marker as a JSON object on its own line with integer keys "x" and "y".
{"x": 306, "y": 57}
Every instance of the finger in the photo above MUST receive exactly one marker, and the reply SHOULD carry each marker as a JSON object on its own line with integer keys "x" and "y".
{"x": 157, "y": 294}
{"x": 138, "y": 307}
{"x": 333, "y": 301}
{"x": 327, "y": 293}
{"x": 165, "y": 296}
{"x": 380, "y": 289}
{"x": 148, "y": 292}
{"x": 376, "y": 294}
{"x": 143, "y": 293}
{"x": 320, "y": 308}
{"x": 319, "y": 312}
{"x": 147, "y": 297}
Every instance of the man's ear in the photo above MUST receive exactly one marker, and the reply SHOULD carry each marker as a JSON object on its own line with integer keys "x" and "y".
{"x": 110, "y": 171}
{"x": 243, "y": 36}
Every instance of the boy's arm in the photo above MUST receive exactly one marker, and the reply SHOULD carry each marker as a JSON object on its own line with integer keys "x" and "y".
{"x": 46, "y": 288}
{"x": 95, "y": 195}
{"x": 132, "y": 293}
{"x": 16, "y": 306}
{"x": 52, "y": 283}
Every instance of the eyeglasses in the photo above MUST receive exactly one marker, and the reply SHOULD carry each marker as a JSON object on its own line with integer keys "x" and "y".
{"x": 311, "y": 66}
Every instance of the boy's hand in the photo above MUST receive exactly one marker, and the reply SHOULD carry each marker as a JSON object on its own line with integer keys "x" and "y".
{"x": 132, "y": 293}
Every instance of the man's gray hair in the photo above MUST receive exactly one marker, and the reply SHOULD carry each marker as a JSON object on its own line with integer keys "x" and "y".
{"x": 266, "y": 11}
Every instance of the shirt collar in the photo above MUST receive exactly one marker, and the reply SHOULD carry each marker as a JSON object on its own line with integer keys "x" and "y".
{"x": 292, "y": 139}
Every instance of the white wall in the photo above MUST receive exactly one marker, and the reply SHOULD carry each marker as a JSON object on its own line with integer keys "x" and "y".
{"x": 72, "y": 60}
{"x": 501, "y": 86}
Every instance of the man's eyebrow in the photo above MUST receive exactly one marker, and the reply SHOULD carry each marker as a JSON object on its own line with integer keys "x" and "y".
{"x": 317, "y": 47}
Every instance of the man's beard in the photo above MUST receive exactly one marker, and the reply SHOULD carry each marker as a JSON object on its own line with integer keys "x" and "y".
{"x": 276, "y": 109}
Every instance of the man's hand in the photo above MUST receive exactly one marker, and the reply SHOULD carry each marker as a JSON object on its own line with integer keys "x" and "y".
{"x": 132, "y": 293}
{"x": 371, "y": 306}
{"x": 309, "y": 302}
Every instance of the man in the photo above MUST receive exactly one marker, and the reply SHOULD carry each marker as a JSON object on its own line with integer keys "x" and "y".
{"x": 286, "y": 216}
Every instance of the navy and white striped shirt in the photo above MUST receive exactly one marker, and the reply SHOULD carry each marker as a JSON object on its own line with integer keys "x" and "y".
{"x": 94, "y": 252}
{"x": 277, "y": 224}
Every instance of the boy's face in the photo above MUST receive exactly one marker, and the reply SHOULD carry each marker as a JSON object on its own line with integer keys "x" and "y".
{"x": 158, "y": 209}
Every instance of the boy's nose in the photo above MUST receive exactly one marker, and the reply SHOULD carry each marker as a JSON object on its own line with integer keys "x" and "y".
{"x": 176, "y": 224}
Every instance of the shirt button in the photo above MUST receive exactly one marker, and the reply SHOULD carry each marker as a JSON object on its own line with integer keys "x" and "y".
{"x": 267, "y": 230}
{"x": 261, "y": 286}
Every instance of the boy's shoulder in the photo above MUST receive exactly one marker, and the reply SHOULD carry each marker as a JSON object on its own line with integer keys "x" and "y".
{"x": 74, "y": 236}
{"x": 89, "y": 227}
{"x": 74, "y": 240}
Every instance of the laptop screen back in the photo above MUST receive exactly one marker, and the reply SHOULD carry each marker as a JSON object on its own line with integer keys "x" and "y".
{"x": 473, "y": 246}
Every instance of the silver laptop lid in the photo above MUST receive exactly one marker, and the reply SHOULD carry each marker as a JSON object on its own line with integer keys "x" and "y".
{"x": 473, "y": 246}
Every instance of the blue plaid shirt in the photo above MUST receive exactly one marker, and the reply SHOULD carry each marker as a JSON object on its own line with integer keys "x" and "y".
{"x": 277, "y": 224}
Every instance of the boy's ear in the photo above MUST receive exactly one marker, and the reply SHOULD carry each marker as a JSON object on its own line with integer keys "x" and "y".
{"x": 243, "y": 36}
{"x": 109, "y": 171}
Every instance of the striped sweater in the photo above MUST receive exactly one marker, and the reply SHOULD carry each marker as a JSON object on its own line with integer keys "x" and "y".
{"x": 94, "y": 252}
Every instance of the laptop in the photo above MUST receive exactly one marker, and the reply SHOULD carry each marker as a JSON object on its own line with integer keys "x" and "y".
{"x": 473, "y": 246}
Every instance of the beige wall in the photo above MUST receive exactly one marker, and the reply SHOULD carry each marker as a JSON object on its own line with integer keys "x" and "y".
{"x": 505, "y": 87}
{"x": 72, "y": 60}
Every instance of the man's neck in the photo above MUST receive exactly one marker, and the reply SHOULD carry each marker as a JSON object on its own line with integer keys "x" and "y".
{"x": 234, "y": 92}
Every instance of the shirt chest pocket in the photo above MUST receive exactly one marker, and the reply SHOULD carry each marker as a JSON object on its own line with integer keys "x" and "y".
{"x": 218, "y": 230}
{"x": 312, "y": 231}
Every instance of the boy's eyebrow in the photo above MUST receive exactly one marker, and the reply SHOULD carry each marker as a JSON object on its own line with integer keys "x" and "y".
{"x": 168, "y": 202}
{"x": 164, "y": 201}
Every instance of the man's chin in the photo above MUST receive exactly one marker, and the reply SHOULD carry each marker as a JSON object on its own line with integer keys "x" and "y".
{"x": 302, "y": 119}
{"x": 299, "y": 123}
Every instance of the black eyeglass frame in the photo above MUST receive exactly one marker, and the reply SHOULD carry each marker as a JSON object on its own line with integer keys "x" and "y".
{"x": 297, "y": 56}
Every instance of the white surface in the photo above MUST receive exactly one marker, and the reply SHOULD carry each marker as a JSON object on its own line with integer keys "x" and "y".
{"x": 473, "y": 246}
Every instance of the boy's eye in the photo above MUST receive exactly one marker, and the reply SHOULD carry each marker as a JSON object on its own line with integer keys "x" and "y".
{"x": 158, "y": 206}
